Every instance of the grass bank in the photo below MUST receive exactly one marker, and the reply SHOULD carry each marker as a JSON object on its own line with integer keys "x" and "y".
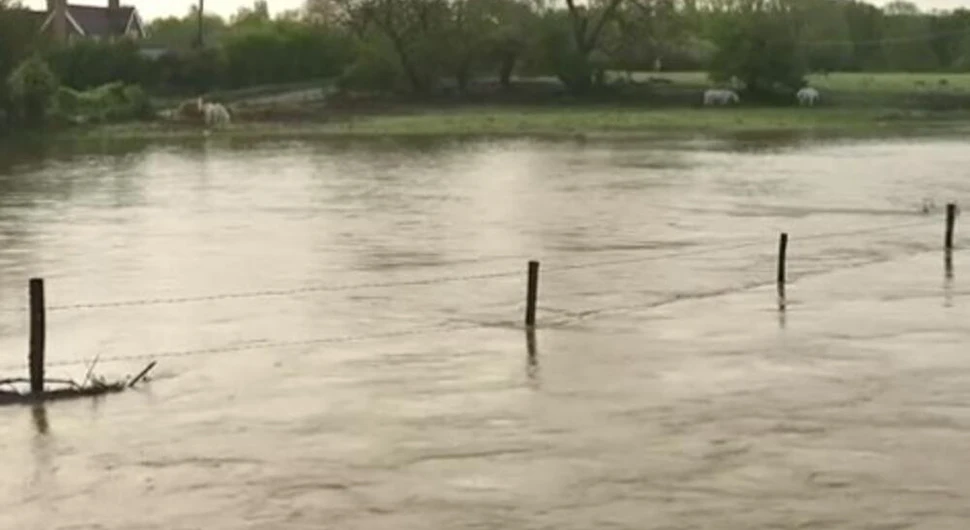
{"x": 567, "y": 122}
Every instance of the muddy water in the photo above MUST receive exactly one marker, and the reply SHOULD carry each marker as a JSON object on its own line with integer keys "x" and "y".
{"x": 373, "y": 373}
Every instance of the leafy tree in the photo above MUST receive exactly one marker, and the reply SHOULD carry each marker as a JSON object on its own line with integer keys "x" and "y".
{"x": 90, "y": 63}
{"x": 413, "y": 31}
{"x": 181, "y": 33}
{"x": 907, "y": 40}
{"x": 17, "y": 37}
{"x": 284, "y": 51}
{"x": 758, "y": 45}
{"x": 824, "y": 35}
{"x": 32, "y": 87}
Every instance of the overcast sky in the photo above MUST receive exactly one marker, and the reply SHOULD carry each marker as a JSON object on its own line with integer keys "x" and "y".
{"x": 155, "y": 8}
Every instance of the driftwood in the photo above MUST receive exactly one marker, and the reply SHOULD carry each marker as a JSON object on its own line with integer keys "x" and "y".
{"x": 68, "y": 389}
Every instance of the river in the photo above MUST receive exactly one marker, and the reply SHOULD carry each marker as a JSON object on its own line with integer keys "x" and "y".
{"x": 338, "y": 330}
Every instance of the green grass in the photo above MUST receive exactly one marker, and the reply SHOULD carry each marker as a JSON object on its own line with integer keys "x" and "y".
{"x": 570, "y": 122}
{"x": 857, "y": 104}
{"x": 882, "y": 83}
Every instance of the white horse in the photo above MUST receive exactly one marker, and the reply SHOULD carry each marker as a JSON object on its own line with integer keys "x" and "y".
{"x": 808, "y": 96}
{"x": 720, "y": 96}
{"x": 215, "y": 114}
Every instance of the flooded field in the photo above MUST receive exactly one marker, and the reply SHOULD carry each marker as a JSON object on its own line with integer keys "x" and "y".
{"x": 338, "y": 330}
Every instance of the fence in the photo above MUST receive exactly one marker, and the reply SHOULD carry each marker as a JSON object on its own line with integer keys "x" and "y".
{"x": 37, "y": 309}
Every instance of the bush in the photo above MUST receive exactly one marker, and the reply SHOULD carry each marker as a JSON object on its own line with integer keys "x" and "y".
{"x": 87, "y": 64}
{"x": 33, "y": 88}
{"x": 283, "y": 52}
{"x": 374, "y": 69}
{"x": 110, "y": 102}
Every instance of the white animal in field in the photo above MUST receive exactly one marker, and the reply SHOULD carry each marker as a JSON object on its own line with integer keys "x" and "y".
{"x": 216, "y": 115}
{"x": 720, "y": 96}
{"x": 808, "y": 96}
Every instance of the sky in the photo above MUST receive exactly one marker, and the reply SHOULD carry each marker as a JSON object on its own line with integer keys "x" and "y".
{"x": 150, "y": 9}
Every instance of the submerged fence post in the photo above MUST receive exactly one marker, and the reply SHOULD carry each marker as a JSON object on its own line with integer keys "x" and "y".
{"x": 38, "y": 330}
{"x": 951, "y": 217}
{"x": 782, "y": 257}
{"x": 532, "y": 352}
{"x": 531, "y": 294}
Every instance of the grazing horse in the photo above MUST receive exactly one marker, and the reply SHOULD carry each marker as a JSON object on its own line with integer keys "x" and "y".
{"x": 215, "y": 114}
{"x": 807, "y": 97}
{"x": 719, "y": 96}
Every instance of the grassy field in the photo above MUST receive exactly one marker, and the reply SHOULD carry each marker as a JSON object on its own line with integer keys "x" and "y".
{"x": 572, "y": 123}
{"x": 856, "y": 104}
{"x": 882, "y": 83}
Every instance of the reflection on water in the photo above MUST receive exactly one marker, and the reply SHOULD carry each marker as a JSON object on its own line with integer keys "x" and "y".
{"x": 39, "y": 414}
{"x": 673, "y": 388}
{"x": 532, "y": 354}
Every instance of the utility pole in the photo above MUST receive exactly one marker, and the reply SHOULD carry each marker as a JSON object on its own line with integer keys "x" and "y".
{"x": 200, "y": 40}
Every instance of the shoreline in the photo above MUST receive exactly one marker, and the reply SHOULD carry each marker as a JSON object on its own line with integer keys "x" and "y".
{"x": 555, "y": 123}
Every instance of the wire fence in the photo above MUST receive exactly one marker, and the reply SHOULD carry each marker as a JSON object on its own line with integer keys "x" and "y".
{"x": 454, "y": 325}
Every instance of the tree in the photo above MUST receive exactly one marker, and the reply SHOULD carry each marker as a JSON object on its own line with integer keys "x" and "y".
{"x": 486, "y": 35}
{"x": 412, "y": 29}
{"x": 284, "y": 51}
{"x": 508, "y": 43}
{"x": 949, "y": 31}
{"x": 645, "y": 33}
{"x": 254, "y": 16}
{"x": 177, "y": 33}
{"x": 32, "y": 87}
{"x": 587, "y": 24}
{"x": 91, "y": 63}
{"x": 865, "y": 24}
{"x": 17, "y": 38}
{"x": 824, "y": 33}
{"x": 758, "y": 45}
{"x": 907, "y": 40}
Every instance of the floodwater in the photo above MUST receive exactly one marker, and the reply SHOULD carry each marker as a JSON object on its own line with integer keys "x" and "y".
{"x": 370, "y": 369}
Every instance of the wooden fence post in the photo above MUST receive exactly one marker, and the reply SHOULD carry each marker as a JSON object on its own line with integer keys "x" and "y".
{"x": 531, "y": 294}
{"x": 951, "y": 217}
{"x": 782, "y": 257}
{"x": 38, "y": 330}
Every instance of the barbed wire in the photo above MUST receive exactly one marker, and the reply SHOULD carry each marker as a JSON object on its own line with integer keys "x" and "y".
{"x": 737, "y": 246}
{"x": 258, "y": 345}
{"x": 295, "y": 291}
{"x": 265, "y": 293}
{"x": 464, "y": 325}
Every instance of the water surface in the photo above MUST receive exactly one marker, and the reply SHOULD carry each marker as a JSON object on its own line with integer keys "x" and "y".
{"x": 370, "y": 369}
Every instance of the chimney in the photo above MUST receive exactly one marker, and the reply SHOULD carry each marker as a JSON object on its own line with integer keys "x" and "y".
{"x": 114, "y": 5}
{"x": 59, "y": 20}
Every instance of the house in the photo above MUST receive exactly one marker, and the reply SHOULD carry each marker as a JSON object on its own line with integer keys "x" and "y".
{"x": 68, "y": 23}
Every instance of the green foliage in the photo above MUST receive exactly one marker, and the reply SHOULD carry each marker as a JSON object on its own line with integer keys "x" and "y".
{"x": 428, "y": 45}
{"x": 17, "y": 36}
{"x": 90, "y": 63}
{"x": 196, "y": 71}
{"x": 760, "y": 49}
{"x": 106, "y": 103}
{"x": 375, "y": 69}
{"x": 282, "y": 52}
{"x": 555, "y": 53}
{"x": 181, "y": 33}
{"x": 32, "y": 87}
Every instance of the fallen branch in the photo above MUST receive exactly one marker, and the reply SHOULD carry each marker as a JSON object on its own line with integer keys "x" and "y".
{"x": 141, "y": 375}
{"x": 93, "y": 386}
